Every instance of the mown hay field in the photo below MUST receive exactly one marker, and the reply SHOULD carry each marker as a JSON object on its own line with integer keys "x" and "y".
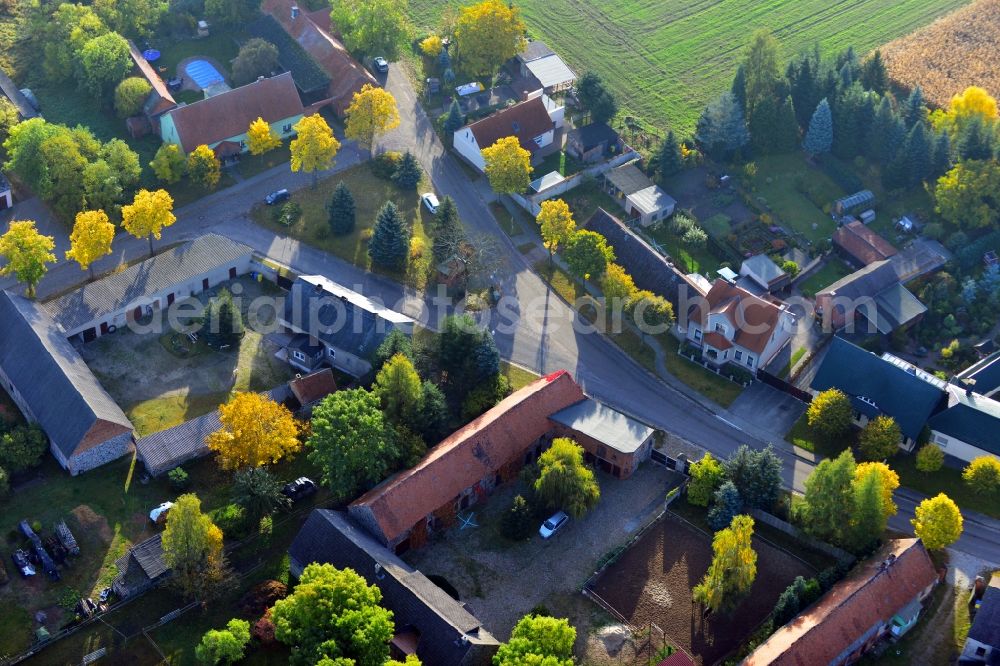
{"x": 956, "y": 51}
{"x": 666, "y": 58}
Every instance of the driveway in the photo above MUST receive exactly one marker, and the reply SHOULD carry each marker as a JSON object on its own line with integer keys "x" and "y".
{"x": 767, "y": 407}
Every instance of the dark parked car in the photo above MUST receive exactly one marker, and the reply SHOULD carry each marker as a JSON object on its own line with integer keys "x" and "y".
{"x": 22, "y": 562}
{"x": 277, "y": 197}
{"x": 381, "y": 64}
{"x": 298, "y": 489}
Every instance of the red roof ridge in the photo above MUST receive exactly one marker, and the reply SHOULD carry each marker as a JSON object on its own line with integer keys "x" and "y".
{"x": 530, "y": 117}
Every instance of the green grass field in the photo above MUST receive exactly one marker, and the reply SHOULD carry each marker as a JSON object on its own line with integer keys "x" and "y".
{"x": 666, "y": 59}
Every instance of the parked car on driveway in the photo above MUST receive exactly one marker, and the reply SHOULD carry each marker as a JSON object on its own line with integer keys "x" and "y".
{"x": 159, "y": 515}
{"x": 381, "y": 64}
{"x": 431, "y": 201}
{"x": 277, "y": 197}
{"x": 553, "y": 524}
{"x": 300, "y": 488}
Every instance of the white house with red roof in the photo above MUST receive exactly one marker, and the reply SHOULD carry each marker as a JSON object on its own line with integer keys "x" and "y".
{"x": 533, "y": 122}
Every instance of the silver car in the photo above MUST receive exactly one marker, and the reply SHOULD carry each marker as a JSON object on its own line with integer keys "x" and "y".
{"x": 553, "y": 524}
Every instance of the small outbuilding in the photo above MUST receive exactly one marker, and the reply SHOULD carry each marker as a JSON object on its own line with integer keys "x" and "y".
{"x": 140, "y": 568}
{"x": 643, "y": 201}
{"x": 762, "y": 270}
{"x": 592, "y": 142}
{"x": 862, "y": 200}
{"x": 612, "y": 440}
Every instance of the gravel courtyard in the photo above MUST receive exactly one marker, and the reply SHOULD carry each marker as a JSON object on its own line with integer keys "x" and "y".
{"x": 652, "y": 582}
{"x": 501, "y": 581}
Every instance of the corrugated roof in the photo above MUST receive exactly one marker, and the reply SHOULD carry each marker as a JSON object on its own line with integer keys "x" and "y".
{"x": 61, "y": 391}
{"x": 651, "y": 200}
{"x": 474, "y": 452}
{"x": 448, "y": 633}
{"x": 526, "y": 121}
{"x": 128, "y": 289}
{"x": 229, "y": 114}
{"x": 629, "y": 179}
{"x": 551, "y": 71}
{"x": 605, "y": 424}
{"x": 970, "y": 418}
{"x": 869, "y": 596}
{"x": 894, "y": 391}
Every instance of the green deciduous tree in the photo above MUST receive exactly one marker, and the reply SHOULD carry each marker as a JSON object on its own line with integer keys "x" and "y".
{"x": 389, "y": 245}
{"x": 868, "y": 520}
{"x": 104, "y": 62}
{"x": 258, "y": 492}
{"x": 966, "y": 195}
{"x": 397, "y": 385}
{"x": 372, "y": 27}
{"x": 930, "y": 458}
{"x": 333, "y": 617}
{"x": 937, "y": 522}
{"x": 982, "y": 475}
{"x": 351, "y": 442}
{"x": 819, "y": 135}
{"x": 707, "y": 475}
{"x": 257, "y": 57}
{"x": 829, "y": 496}
{"x": 564, "y": 482}
{"x": 231, "y": 12}
{"x": 168, "y": 163}
{"x": 880, "y": 438}
{"x": 587, "y": 254}
{"x": 26, "y": 252}
{"x": 829, "y": 414}
{"x": 192, "y": 548}
{"x": 760, "y": 66}
{"x": 734, "y": 565}
{"x": 341, "y": 210}
{"x": 224, "y": 646}
{"x": 487, "y": 34}
{"x": 538, "y": 639}
{"x": 22, "y": 448}
{"x": 757, "y": 475}
{"x": 130, "y": 95}
{"x": 653, "y": 314}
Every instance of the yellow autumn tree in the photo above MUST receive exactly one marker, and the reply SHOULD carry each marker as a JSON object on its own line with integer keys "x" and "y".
{"x": 556, "y": 224}
{"x": 204, "y": 167}
{"x": 148, "y": 215}
{"x": 314, "y": 146}
{"x": 937, "y": 521}
{"x": 508, "y": 166}
{"x": 372, "y": 112}
{"x": 255, "y": 431}
{"x": 487, "y": 34}
{"x": 91, "y": 239}
{"x": 192, "y": 548}
{"x": 889, "y": 483}
{"x": 734, "y": 565}
{"x": 26, "y": 252}
{"x": 970, "y": 103}
{"x": 261, "y": 138}
{"x": 618, "y": 286}
{"x": 431, "y": 46}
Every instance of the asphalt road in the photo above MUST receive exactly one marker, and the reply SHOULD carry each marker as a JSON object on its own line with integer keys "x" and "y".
{"x": 534, "y": 328}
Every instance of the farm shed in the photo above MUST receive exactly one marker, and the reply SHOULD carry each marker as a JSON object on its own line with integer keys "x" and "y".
{"x": 873, "y": 294}
{"x": 592, "y": 142}
{"x": 764, "y": 272}
{"x": 53, "y": 387}
{"x": 429, "y": 623}
{"x": 163, "y": 451}
{"x": 540, "y": 63}
{"x": 642, "y": 200}
{"x": 465, "y": 467}
{"x": 860, "y": 246}
{"x": 102, "y": 306}
{"x": 857, "y": 201}
{"x": 616, "y": 442}
{"x": 140, "y": 568}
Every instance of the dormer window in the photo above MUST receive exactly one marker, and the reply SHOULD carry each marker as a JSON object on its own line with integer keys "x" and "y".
{"x": 515, "y": 126}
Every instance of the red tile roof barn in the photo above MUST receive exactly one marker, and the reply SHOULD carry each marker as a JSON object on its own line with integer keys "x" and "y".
{"x": 347, "y": 76}
{"x": 313, "y": 387}
{"x": 229, "y": 114}
{"x": 869, "y": 596}
{"x": 862, "y": 243}
{"x": 165, "y": 100}
{"x": 525, "y": 121}
{"x": 744, "y": 310}
{"x": 470, "y": 454}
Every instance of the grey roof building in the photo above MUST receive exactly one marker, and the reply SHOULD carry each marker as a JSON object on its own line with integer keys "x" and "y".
{"x": 894, "y": 305}
{"x": 877, "y": 386}
{"x": 53, "y": 387}
{"x": 604, "y": 424}
{"x": 140, "y": 568}
{"x": 349, "y": 325}
{"x": 429, "y": 623}
{"x": 984, "y": 376}
{"x": 158, "y": 281}
{"x": 983, "y": 642}
{"x": 24, "y": 107}
{"x": 968, "y": 426}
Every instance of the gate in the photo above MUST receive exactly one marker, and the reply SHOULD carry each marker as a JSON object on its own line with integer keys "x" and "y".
{"x": 784, "y": 386}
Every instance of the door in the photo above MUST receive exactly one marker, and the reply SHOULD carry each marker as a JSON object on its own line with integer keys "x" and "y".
{"x": 104, "y": 328}
{"x": 232, "y": 273}
{"x": 90, "y": 334}
{"x": 204, "y": 284}
{"x": 170, "y": 300}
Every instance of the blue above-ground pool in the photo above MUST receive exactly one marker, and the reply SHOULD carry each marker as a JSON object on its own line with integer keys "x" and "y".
{"x": 203, "y": 73}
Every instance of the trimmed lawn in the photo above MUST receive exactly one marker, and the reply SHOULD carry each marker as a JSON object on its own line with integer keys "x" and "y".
{"x": 251, "y": 165}
{"x": 802, "y": 436}
{"x": 706, "y": 382}
{"x": 691, "y": 259}
{"x": 370, "y": 193}
{"x": 565, "y": 164}
{"x": 560, "y": 281}
{"x": 777, "y": 181}
{"x": 586, "y": 198}
{"x": 221, "y": 45}
{"x": 947, "y": 480}
{"x": 158, "y": 414}
{"x": 832, "y": 270}
{"x": 519, "y": 377}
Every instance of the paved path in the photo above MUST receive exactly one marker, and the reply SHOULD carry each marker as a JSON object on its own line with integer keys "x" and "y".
{"x": 538, "y": 330}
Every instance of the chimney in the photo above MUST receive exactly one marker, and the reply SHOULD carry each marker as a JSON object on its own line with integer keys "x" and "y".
{"x": 260, "y": 78}
{"x": 295, "y": 12}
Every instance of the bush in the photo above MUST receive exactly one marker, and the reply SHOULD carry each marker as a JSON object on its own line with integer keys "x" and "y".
{"x": 289, "y": 213}
{"x": 261, "y": 597}
{"x": 930, "y": 458}
{"x": 178, "y": 478}
{"x": 4, "y": 482}
{"x": 130, "y": 95}
{"x": 231, "y": 520}
{"x": 485, "y": 396}
{"x": 518, "y": 523}
{"x": 22, "y": 448}
{"x": 384, "y": 166}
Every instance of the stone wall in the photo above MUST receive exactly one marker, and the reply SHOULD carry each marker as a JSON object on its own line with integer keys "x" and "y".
{"x": 103, "y": 453}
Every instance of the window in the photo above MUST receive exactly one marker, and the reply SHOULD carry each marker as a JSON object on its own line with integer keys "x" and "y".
{"x": 980, "y": 651}
{"x": 725, "y": 354}
{"x": 286, "y": 128}
{"x": 739, "y": 355}
{"x": 719, "y": 328}
{"x": 243, "y": 144}
{"x": 941, "y": 440}
{"x": 332, "y": 353}
{"x": 697, "y": 334}
{"x": 298, "y": 356}
{"x": 749, "y": 361}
